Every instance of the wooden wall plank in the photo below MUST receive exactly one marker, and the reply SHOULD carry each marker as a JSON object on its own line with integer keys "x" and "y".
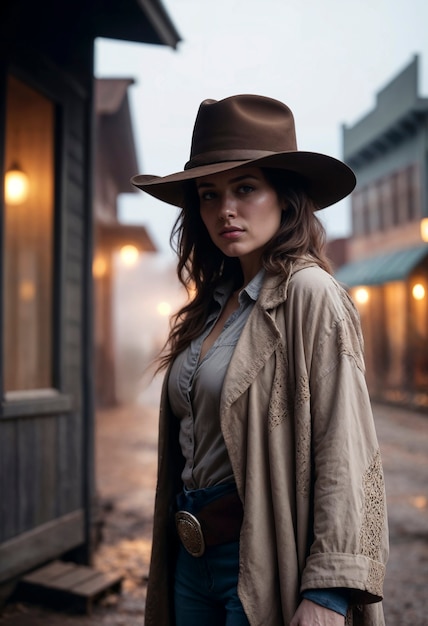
{"x": 75, "y": 225}
{"x": 41, "y": 544}
{"x": 70, "y": 446}
{"x": 8, "y": 479}
{"x": 73, "y": 335}
{"x": 75, "y": 202}
{"x": 74, "y": 246}
{"x": 73, "y": 308}
{"x": 74, "y": 270}
{"x": 47, "y": 455}
{"x": 71, "y": 380}
{"x": 27, "y": 475}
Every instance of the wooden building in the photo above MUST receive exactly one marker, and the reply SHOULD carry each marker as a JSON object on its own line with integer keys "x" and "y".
{"x": 387, "y": 268}
{"x": 46, "y": 363}
{"x": 115, "y": 157}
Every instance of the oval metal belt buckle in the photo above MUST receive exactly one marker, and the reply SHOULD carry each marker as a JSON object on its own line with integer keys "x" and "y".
{"x": 190, "y": 532}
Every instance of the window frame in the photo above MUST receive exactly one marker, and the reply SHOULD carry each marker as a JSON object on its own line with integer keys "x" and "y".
{"x": 49, "y": 81}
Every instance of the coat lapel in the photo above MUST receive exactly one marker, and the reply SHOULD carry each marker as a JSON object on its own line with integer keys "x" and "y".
{"x": 259, "y": 339}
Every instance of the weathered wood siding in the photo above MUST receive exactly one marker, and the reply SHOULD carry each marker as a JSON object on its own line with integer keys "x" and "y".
{"x": 41, "y": 471}
{"x": 42, "y": 437}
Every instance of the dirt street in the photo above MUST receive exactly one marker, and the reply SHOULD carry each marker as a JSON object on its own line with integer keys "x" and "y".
{"x": 126, "y": 464}
{"x": 403, "y": 437}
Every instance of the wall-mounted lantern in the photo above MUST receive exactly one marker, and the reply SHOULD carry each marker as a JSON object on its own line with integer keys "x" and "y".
{"x": 16, "y": 185}
{"x": 129, "y": 255}
{"x": 418, "y": 291}
{"x": 424, "y": 229}
{"x": 362, "y": 295}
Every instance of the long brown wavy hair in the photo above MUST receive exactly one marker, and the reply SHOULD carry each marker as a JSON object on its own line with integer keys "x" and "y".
{"x": 202, "y": 266}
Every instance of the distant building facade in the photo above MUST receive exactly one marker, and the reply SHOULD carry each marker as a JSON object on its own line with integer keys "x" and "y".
{"x": 387, "y": 255}
{"x": 115, "y": 159}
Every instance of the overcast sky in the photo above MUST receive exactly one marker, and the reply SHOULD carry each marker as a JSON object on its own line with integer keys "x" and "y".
{"x": 325, "y": 58}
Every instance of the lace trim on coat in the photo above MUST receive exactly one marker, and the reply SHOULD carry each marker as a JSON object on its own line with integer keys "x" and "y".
{"x": 350, "y": 344}
{"x": 303, "y": 438}
{"x": 375, "y": 578}
{"x": 277, "y": 411}
{"x": 373, "y": 521}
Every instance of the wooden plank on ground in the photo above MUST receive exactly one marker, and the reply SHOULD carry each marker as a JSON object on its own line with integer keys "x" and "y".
{"x": 74, "y": 587}
{"x": 76, "y": 576}
{"x": 49, "y": 572}
{"x": 98, "y": 584}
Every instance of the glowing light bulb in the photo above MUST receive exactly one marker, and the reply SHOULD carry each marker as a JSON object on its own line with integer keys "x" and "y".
{"x": 362, "y": 295}
{"x": 418, "y": 292}
{"x": 424, "y": 229}
{"x": 16, "y": 186}
{"x": 129, "y": 255}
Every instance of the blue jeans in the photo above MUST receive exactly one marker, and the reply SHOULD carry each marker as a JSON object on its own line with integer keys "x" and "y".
{"x": 205, "y": 589}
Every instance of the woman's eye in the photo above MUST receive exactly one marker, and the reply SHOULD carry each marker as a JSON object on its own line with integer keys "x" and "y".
{"x": 246, "y": 189}
{"x": 207, "y": 195}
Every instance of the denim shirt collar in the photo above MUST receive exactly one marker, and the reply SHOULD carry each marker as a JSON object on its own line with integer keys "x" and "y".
{"x": 252, "y": 290}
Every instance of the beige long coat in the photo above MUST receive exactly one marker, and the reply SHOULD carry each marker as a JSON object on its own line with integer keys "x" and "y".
{"x": 297, "y": 423}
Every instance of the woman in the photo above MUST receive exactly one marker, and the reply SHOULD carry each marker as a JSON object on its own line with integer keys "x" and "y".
{"x": 270, "y": 505}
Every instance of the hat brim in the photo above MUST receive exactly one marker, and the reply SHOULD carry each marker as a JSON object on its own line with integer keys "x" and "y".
{"x": 327, "y": 180}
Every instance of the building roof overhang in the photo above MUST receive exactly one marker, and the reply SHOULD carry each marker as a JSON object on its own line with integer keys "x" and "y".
{"x": 113, "y": 235}
{"x": 114, "y": 129}
{"x": 63, "y": 26}
{"x": 142, "y": 21}
{"x": 385, "y": 268}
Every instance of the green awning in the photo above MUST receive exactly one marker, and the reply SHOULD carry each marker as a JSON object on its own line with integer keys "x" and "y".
{"x": 385, "y": 268}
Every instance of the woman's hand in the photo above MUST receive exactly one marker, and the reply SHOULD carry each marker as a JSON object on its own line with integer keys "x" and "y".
{"x": 312, "y": 614}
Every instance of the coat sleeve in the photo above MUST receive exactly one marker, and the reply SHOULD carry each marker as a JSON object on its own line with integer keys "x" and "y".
{"x": 349, "y": 542}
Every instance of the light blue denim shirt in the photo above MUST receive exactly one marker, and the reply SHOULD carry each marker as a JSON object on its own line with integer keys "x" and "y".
{"x": 194, "y": 388}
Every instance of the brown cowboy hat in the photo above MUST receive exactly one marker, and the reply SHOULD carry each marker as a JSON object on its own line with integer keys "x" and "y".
{"x": 251, "y": 130}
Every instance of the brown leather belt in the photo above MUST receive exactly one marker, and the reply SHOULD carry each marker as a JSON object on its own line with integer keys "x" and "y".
{"x": 218, "y": 522}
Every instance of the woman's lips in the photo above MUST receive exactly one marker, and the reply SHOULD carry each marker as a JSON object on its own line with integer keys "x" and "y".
{"x": 231, "y": 233}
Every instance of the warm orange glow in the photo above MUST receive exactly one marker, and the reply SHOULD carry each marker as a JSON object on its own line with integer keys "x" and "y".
{"x": 418, "y": 292}
{"x": 99, "y": 266}
{"x": 129, "y": 255}
{"x": 362, "y": 295}
{"x": 164, "y": 309}
{"x": 15, "y": 186}
{"x": 424, "y": 229}
{"x": 420, "y": 502}
{"x": 27, "y": 290}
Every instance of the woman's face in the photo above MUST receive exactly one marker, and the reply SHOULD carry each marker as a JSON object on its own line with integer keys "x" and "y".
{"x": 241, "y": 212}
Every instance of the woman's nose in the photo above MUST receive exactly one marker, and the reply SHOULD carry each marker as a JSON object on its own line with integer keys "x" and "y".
{"x": 227, "y": 207}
